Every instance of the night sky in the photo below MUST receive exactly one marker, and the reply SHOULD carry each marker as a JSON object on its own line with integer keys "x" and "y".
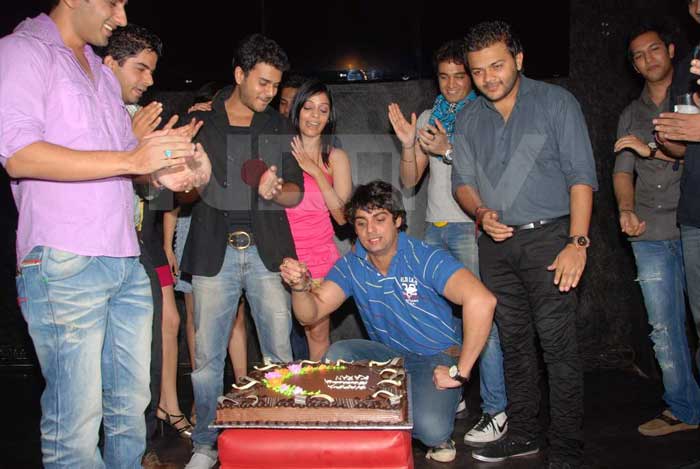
{"x": 390, "y": 36}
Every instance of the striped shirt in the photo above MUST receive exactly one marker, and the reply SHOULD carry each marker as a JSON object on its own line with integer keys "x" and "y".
{"x": 405, "y": 309}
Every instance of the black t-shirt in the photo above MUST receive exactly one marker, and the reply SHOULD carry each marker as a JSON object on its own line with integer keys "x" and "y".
{"x": 239, "y": 149}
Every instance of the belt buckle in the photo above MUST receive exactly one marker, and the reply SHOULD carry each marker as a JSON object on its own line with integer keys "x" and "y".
{"x": 233, "y": 240}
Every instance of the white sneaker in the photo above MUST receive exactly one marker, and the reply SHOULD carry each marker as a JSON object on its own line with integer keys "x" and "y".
{"x": 445, "y": 452}
{"x": 200, "y": 461}
{"x": 488, "y": 429}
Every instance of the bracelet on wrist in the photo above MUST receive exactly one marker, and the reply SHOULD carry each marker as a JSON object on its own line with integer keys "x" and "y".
{"x": 305, "y": 288}
{"x": 625, "y": 210}
{"x": 408, "y": 148}
{"x": 476, "y": 213}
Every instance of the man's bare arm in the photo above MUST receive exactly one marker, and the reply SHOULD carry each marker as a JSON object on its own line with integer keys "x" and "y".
{"x": 478, "y": 306}
{"x": 42, "y": 160}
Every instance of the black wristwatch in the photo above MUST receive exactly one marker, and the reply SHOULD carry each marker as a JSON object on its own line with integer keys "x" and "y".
{"x": 453, "y": 373}
{"x": 580, "y": 241}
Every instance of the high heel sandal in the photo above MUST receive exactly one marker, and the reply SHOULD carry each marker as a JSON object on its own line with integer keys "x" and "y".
{"x": 172, "y": 420}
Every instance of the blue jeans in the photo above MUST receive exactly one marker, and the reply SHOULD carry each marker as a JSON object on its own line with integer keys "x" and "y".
{"x": 433, "y": 409}
{"x": 458, "y": 239}
{"x": 690, "y": 237}
{"x": 90, "y": 321}
{"x": 661, "y": 277}
{"x": 215, "y": 306}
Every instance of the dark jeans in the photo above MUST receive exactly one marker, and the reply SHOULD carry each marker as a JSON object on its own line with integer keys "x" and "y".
{"x": 529, "y": 306}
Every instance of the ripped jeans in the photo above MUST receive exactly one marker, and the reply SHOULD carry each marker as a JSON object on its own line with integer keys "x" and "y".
{"x": 662, "y": 279}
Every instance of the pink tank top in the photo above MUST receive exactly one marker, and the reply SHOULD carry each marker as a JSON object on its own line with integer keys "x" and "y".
{"x": 312, "y": 230}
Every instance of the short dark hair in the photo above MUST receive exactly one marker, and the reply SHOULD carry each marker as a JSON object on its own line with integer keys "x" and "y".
{"x": 129, "y": 41}
{"x": 488, "y": 33}
{"x": 377, "y": 195}
{"x": 256, "y": 49}
{"x": 293, "y": 81}
{"x": 647, "y": 27}
{"x": 307, "y": 90}
{"x": 451, "y": 51}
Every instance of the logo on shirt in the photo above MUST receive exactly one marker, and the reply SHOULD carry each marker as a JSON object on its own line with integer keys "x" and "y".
{"x": 409, "y": 285}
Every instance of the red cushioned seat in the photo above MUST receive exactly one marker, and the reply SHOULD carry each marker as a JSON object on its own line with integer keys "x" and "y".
{"x": 315, "y": 449}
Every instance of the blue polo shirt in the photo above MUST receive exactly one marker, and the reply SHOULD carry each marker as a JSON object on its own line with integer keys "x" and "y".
{"x": 405, "y": 309}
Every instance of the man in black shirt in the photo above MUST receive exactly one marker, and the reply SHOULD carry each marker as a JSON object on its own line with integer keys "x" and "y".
{"x": 240, "y": 233}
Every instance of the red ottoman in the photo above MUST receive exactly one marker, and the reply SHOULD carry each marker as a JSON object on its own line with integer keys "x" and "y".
{"x": 315, "y": 449}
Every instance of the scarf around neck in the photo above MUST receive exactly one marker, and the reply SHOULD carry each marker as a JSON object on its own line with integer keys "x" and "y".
{"x": 446, "y": 112}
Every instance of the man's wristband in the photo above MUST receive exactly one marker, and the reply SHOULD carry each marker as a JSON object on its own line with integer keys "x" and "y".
{"x": 476, "y": 213}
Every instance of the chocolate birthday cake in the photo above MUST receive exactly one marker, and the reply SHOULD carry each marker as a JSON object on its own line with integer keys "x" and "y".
{"x": 317, "y": 394}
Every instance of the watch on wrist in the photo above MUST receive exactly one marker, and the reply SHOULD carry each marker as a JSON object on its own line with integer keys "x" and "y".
{"x": 447, "y": 157}
{"x": 581, "y": 241}
{"x": 453, "y": 373}
{"x": 653, "y": 147}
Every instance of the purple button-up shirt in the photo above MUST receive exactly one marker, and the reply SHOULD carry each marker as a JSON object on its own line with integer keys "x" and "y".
{"x": 46, "y": 96}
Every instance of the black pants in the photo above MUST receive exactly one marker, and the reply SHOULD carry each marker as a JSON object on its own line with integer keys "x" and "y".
{"x": 530, "y": 306}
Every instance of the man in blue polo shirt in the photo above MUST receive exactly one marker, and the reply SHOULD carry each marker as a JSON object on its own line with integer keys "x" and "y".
{"x": 401, "y": 287}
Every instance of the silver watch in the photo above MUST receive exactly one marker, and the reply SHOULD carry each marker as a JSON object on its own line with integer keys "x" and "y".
{"x": 447, "y": 157}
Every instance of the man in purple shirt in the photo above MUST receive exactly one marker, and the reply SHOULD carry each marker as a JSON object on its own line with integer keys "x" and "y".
{"x": 66, "y": 140}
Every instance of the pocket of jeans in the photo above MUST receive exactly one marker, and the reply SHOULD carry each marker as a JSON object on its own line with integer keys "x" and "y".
{"x": 62, "y": 265}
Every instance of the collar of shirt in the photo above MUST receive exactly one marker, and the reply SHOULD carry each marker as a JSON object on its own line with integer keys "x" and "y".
{"x": 645, "y": 98}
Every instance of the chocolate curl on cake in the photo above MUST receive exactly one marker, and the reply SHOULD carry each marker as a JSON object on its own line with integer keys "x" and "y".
{"x": 251, "y": 382}
{"x": 390, "y": 381}
{"x": 393, "y": 398}
{"x": 223, "y": 399}
{"x": 391, "y": 373}
{"x": 308, "y": 362}
{"x": 373, "y": 363}
{"x": 266, "y": 367}
{"x": 322, "y": 396}
{"x": 340, "y": 362}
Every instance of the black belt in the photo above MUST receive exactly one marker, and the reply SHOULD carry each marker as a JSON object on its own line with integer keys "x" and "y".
{"x": 538, "y": 224}
{"x": 240, "y": 240}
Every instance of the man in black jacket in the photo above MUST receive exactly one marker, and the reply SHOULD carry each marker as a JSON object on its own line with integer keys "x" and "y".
{"x": 240, "y": 233}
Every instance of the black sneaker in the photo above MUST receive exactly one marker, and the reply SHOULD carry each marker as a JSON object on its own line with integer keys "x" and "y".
{"x": 508, "y": 447}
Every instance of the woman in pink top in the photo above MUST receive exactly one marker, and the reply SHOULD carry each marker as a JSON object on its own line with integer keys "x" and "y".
{"x": 327, "y": 186}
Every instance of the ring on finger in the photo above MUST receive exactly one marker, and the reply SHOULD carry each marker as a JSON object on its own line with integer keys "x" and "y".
{"x": 168, "y": 153}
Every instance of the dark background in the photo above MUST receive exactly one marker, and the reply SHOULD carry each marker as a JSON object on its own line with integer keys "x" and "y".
{"x": 612, "y": 322}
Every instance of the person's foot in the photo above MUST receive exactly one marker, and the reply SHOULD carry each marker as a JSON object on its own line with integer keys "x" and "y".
{"x": 505, "y": 448}
{"x": 663, "y": 424}
{"x": 200, "y": 461}
{"x": 488, "y": 429}
{"x": 176, "y": 421}
{"x": 445, "y": 452}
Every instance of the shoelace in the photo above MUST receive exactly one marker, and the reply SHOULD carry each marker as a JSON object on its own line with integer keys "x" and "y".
{"x": 484, "y": 422}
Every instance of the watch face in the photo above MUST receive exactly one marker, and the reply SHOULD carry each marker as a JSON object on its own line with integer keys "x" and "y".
{"x": 452, "y": 372}
{"x": 447, "y": 157}
{"x": 581, "y": 241}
